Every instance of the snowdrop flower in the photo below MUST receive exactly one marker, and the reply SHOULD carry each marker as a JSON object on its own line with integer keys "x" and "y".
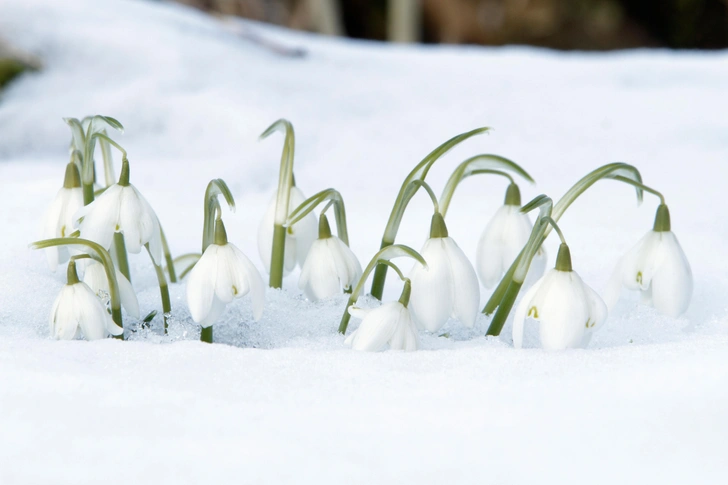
{"x": 299, "y": 237}
{"x": 449, "y": 287}
{"x": 95, "y": 278}
{"x": 78, "y": 311}
{"x": 121, "y": 208}
{"x": 658, "y": 267}
{"x": 503, "y": 239}
{"x": 329, "y": 266}
{"x": 390, "y": 324}
{"x": 222, "y": 273}
{"x": 59, "y": 218}
{"x": 568, "y": 311}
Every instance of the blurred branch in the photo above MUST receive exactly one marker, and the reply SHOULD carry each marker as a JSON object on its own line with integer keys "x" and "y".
{"x": 404, "y": 20}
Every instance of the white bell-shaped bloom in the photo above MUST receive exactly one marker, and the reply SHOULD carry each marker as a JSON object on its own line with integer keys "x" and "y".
{"x": 299, "y": 237}
{"x": 502, "y": 240}
{"x": 121, "y": 208}
{"x": 330, "y": 266}
{"x": 95, "y": 277}
{"x": 78, "y": 311}
{"x": 448, "y": 287}
{"x": 59, "y": 217}
{"x": 222, "y": 273}
{"x": 390, "y": 324}
{"x": 658, "y": 267}
{"x": 567, "y": 309}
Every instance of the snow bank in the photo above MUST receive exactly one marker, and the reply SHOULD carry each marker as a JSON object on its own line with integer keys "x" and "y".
{"x": 285, "y": 402}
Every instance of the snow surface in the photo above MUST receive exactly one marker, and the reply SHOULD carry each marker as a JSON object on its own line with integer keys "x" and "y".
{"x": 284, "y": 401}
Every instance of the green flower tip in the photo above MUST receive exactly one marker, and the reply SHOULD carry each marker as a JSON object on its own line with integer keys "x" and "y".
{"x": 220, "y": 233}
{"x": 662, "y": 219}
{"x": 437, "y": 226}
{"x": 71, "y": 274}
{"x": 324, "y": 231}
{"x": 73, "y": 177}
{"x": 563, "y": 258}
{"x": 513, "y": 195}
{"x": 124, "y": 176}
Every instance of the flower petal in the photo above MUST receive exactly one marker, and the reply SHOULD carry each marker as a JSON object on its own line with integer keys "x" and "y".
{"x": 672, "y": 283}
{"x": 91, "y": 314}
{"x": 319, "y": 278}
{"x": 377, "y": 328}
{"x": 521, "y": 313}
{"x": 431, "y": 298}
{"x": 63, "y": 324}
{"x": 201, "y": 284}
{"x": 253, "y": 281}
{"x": 464, "y": 289}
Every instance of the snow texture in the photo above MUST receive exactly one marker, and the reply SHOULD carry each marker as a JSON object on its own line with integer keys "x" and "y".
{"x": 283, "y": 400}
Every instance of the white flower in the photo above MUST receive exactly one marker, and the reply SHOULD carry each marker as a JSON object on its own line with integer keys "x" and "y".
{"x": 222, "y": 273}
{"x": 657, "y": 267}
{"x": 329, "y": 267}
{"x": 568, "y": 310}
{"x": 121, "y": 208}
{"x": 59, "y": 218}
{"x": 448, "y": 288}
{"x": 76, "y": 311}
{"x": 299, "y": 237}
{"x": 95, "y": 277}
{"x": 390, "y": 324}
{"x": 502, "y": 240}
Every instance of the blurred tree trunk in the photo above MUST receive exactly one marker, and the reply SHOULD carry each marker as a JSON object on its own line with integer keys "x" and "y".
{"x": 404, "y": 20}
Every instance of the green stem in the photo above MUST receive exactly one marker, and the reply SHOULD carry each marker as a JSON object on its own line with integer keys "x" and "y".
{"x": 285, "y": 182}
{"x": 406, "y": 192}
{"x": 163, "y": 290}
{"x": 333, "y": 197}
{"x": 88, "y": 193}
{"x": 168, "y": 256}
{"x": 502, "y": 299}
{"x": 102, "y": 256}
{"x": 277, "y": 259}
{"x": 215, "y": 188}
{"x": 380, "y": 259}
{"x": 206, "y": 334}
{"x": 479, "y": 165}
{"x": 121, "y": 256}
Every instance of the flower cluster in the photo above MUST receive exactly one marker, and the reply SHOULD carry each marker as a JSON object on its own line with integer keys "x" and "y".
{"x": 94, "y": 227}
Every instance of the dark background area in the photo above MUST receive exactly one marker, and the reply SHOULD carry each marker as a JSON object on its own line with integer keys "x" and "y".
{"x": 560, "y": 24}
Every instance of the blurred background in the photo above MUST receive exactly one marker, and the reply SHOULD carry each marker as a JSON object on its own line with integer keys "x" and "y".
{"x": 559, "y": 24}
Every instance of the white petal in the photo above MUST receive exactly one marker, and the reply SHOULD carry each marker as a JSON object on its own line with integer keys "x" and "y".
{"x": 597, "y": 313}
{"x": 405, "y": 335}
{"x": 101, "y": 217}
{"x": 131, "y": 219}
{"x": 465, "y": 289}
{"x": 347, "y": 265}
{"x": 319, "y": 278}
{"x": 63, "y": 324}
{"x": 522, "y": 312}
{"x": 253, "y": 281}
{"x": 128, "y": 297}
{"x": 672, "y": 283}
{"x": 91, "y": 314}
{"x": 216, "y": 309}
{"x": 360, "y": 313}
{"x": 537, "y": 269}
{"x": 377, "y": 328}
{"x": 201, "y": 284}
{"x": 305, "y": 231}
{"x": 639, "y": 264}
{"x": 431, "y": 298}
{"x": 563, "y": 310}
{"x": 503, "y": 238}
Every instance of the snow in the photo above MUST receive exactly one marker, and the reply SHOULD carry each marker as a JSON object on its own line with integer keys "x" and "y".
{"x": 283, "y": 400}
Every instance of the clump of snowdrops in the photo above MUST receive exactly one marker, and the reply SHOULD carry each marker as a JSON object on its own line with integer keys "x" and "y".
{"x": 93, "y": 226}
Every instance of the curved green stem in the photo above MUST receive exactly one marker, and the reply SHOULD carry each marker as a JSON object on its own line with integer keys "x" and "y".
{"x": 430, "y": 193}
{"x": 406, "y": 192}
{"x": 168, "y": 256}
{"x": 121, "y": 256}
{"x": 307, "y": 206}
{"x": 215, "y": 188}
{"x": 479, "y": 164}
{"x": 186, "y": 262}
{"x": 640, "y": 186}
{"x": 507, "y": 290}
{"x": 101, "y": 255}
{"x": 384, "y": 254}
{"x": 163, "y": 290}
{"x": 285, "y": 182}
